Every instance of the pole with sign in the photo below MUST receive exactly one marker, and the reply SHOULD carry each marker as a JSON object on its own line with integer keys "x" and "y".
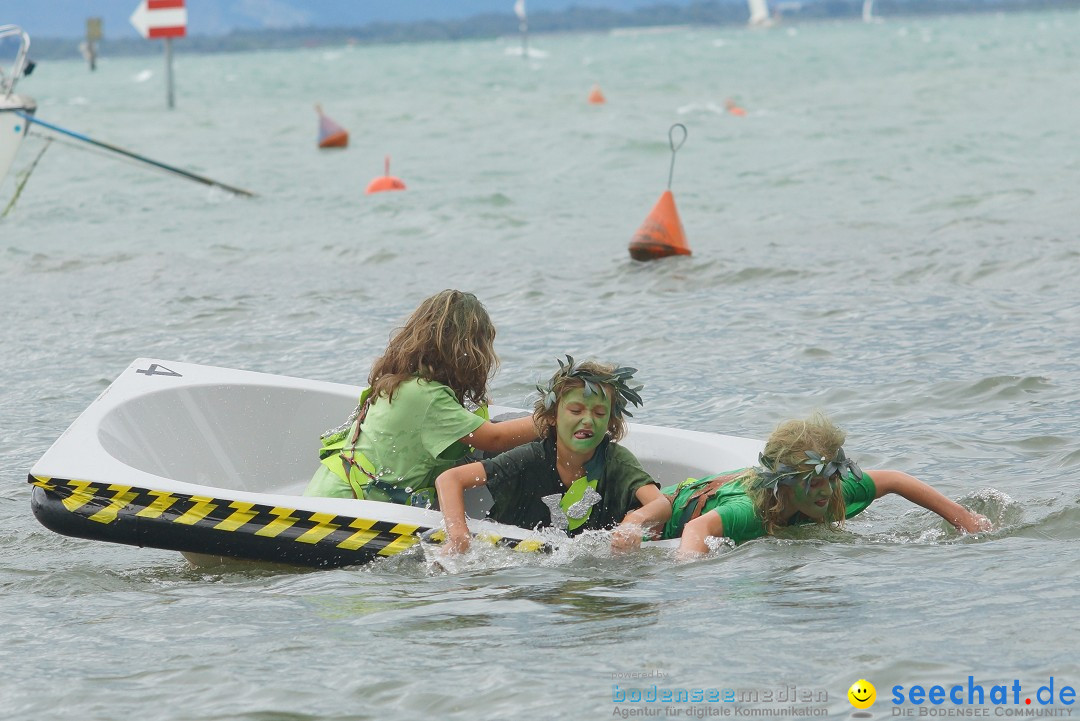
{"x": 165, "y": 19}
{"x": 89, "y": 47}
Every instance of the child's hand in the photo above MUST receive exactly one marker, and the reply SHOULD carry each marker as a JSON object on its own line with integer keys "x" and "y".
{"x": 983, "y": 523}
{"x": 974, "y": 523}
{"x": 626, "y": 537}
{"x": 456, "y": 544}
{"x": 686, "y": 553}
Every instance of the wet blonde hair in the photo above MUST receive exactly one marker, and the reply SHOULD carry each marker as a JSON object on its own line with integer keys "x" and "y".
{"x": 449, "y": 339}
{"x": 544, "y": 416}
{"x": 788, "y": 445}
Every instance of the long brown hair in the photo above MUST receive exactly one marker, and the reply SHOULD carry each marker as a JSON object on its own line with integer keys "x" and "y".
{"x": 788, "y": 445}
{"x": 449, "y": 339}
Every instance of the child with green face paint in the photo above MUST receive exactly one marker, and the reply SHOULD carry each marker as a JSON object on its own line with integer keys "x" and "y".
{"x": 803, "y": 477}
{"x": 576, "y": 477}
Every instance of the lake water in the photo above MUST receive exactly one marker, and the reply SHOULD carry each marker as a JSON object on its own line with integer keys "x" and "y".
{"x": 889, "y": 235}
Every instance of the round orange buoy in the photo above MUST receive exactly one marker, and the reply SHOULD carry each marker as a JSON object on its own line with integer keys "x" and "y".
{"x": 331, "y": 135}
{"x": 661, "y": 234}
{"x": 386, "y": 182}
{"x": 596, "y": 97}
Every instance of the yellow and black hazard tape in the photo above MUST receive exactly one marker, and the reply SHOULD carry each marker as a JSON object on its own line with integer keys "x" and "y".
{"x": 530, "y": 545}
{"x": 107, "y": 503}
{"x": 104, "y": 503}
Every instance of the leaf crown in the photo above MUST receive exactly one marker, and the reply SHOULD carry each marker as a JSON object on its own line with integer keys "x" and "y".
{"x": 594, "y": 381}
{"x": 772, "y": 475}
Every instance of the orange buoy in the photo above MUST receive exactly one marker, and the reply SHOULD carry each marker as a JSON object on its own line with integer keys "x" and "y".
{"x": 331, "y": 135}
{"x": 661, "y": 234}
{"x": 596, "y": 97}
{"x": 732, "y": 107}
{"x": 385, "y": 182}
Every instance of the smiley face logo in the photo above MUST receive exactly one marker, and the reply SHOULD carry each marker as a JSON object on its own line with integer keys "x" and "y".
{"x": 862, "y": 694}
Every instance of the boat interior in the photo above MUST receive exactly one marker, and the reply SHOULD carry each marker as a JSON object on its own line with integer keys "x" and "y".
{"x": 265, "y": 438}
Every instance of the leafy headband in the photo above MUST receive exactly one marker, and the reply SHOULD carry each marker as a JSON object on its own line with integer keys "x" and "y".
{"x": 773, "y": 475}
{"x": 594, "y": 383}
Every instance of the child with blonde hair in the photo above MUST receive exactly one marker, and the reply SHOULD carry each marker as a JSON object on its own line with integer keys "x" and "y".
{"x": 576, "y": 477}
{"x": 802, "y": 476}
{"x": 411, "y": 423}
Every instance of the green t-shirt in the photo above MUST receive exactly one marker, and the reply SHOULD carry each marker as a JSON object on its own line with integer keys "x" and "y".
{"x": 736, "y": 510}
{"x": 519, "y": 478}
{"x": 409, "y": 440}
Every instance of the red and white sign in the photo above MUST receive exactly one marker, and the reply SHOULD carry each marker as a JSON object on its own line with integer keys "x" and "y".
{"x": 160, "y": 19}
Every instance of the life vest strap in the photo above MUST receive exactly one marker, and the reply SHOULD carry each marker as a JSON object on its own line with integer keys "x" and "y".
{"x": 696, "y": 503}
{"x": 342, "y": 441}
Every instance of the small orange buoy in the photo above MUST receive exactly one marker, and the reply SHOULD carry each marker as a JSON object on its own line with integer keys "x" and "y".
{"x": 385, "y": 182}
{"x": 596, "y": 97}
{"x": 661, "y": 234}
{"x": 733, "y": 108}
{"x": 331, "y": 135}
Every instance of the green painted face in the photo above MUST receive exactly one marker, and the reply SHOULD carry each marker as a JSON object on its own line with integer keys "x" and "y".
{"x": 581, "y": 422}
{"x": 813, "y": 502}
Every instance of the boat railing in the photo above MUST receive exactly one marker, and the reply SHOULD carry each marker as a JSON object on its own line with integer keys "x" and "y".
{"x": 9, "y": 78}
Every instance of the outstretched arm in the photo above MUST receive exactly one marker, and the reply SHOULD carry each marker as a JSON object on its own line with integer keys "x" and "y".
{"x": 451, "y": 485}
{"x": 502, "y": 436}
{"x": 696, "y": 531}
{"x": 926, "y": 496}
{"x": 654, "y": 512}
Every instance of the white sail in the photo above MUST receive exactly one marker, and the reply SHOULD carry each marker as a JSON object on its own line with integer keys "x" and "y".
{"x": 759, "y": 12}
{"x": 868, "y": 11}
{"x": 523, "y": 26}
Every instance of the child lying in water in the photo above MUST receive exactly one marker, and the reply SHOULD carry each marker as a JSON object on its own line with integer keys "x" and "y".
{"x": 803, "y": 477}
{"x": 577, "y": 476}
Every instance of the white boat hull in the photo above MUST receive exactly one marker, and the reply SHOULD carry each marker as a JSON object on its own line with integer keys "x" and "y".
{"x": 212, "y": 461}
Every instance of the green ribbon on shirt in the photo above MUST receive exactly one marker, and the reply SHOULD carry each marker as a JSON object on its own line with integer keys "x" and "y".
{"x": 574, "y": 494}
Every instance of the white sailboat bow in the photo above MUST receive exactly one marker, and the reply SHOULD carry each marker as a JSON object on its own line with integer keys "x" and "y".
{"x": 13, "y": 126}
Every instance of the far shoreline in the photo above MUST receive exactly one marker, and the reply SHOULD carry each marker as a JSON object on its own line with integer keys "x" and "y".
{"x": 651, "y": 20}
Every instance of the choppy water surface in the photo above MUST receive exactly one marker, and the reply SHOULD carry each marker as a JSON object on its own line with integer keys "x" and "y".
{"x": 889, "y": 235}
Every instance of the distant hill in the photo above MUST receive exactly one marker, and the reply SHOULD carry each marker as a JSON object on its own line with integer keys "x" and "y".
{"x": 67, "y": 18}
{"x": 284, "y": 26}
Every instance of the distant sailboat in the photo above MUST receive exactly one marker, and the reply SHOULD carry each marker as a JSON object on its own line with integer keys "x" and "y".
{"x": 523, "y": 26}
{"x": 759, "y": 14}
{"x": 868, "y": 12}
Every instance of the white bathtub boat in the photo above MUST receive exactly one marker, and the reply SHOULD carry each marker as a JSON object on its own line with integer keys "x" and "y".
{"x": 13, "y": 125}
{"x": 211, "y": 462}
